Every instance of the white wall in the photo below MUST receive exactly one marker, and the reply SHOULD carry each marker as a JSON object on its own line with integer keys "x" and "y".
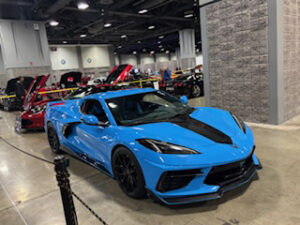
{"x": 95, "y": 56}
{"x": 23, "y": 45}
{"x": 64, "y": 58}
{"x": 162, "y": 57}
{"x": 2, "y": 69}
{"x": 199, "y": 59}
{"x": 146, "y": 59}
{"x": 173, "y": 56}
{"x": 129, "y": 59}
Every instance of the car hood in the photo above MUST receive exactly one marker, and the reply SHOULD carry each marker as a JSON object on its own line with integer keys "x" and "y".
{"x": 194, "y": 136}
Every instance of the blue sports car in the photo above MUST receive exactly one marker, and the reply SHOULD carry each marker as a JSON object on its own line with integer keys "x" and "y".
{"x": 155, "y": 144}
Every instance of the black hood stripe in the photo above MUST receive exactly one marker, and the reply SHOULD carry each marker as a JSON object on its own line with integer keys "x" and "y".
{"x": 202, "y": 128}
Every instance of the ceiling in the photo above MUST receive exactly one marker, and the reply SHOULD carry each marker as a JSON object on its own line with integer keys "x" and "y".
{"x": 116, "y": 22}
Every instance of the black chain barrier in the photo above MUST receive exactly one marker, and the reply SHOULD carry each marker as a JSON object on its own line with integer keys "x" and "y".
{"x": 62, "y": 176}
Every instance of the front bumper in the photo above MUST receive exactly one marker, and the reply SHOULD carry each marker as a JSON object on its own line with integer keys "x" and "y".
{"x": 210, "y": 184}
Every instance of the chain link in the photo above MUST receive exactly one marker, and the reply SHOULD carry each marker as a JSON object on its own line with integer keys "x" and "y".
{"x": 91, "y": 211}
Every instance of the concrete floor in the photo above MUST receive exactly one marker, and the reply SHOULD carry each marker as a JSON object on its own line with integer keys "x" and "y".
{"x": 29, "y": 193}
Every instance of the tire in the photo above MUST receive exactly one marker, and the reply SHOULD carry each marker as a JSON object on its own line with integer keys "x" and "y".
{"x": 128, "y": 173}
{"x": 53, "y": 139}
{"x": 196, "y": 91}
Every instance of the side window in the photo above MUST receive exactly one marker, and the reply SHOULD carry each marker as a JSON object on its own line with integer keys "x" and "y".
{"x": 93, "y": 107}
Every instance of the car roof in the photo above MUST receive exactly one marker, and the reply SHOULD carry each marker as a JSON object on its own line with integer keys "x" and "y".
{"x": 120, "y": 93}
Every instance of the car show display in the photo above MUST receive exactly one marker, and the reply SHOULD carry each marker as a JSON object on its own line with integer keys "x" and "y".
{"x": 153, "y": 143}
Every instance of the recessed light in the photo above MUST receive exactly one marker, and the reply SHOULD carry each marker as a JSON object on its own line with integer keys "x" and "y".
{"x": 82, "y": 35}
{"x": 144, "y": 50}
{"x": 167, "y": 51}
{"x": 139, "y": 42}
{"x": 134, "y": 52}
{"x": 151, "y": 27}
{"x": 53, "y": 23}
{"x": 161, "y": 37}
{"x": 158, "y": 42}
{"x": 188, "y": 15}
{"x": 124, "y": 36}
{"x": 142, "y": 11}
{"x": 107, "y": 25}
{"x": 160, "y": 46}
{"x": 120, "y": 46}
{"x": 82, "y": 5}
{"x": 65, "y": 42}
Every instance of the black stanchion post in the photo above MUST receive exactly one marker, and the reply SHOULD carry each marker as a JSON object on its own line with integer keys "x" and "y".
{"x": 62, "y": 177}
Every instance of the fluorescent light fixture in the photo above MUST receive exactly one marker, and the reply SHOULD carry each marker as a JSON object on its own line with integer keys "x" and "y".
{"x": 107, "y": 25}
{"x": 151, "y": 27}
{"x": 189, "y": 15}
{"x": 53, "y": 23}
{"x": 124, "y": 36}
{"x": 134, "y": 52}
{"x": 161, "y": 37}
{"x": 82, "y": 5}
{"x": 65, "y": 42}
{"x": 82, "y": 35}
{"x": 142, "y": 11}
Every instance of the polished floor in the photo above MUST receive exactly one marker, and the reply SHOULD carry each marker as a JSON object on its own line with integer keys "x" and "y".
{"x": 29, "y": 192}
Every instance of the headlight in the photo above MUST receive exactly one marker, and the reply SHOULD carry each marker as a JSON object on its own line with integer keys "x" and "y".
{"x": 165, "y": 148}
{"x": 239, "y": 122}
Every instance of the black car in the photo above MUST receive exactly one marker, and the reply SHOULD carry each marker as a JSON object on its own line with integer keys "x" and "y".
{"x": 13, "y": 103}
{"x": 190, "y": 84}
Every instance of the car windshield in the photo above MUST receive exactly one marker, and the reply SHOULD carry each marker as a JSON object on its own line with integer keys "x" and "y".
{"x": 146, "y": 108}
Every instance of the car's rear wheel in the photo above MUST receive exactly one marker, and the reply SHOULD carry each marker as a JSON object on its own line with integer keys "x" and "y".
{"x": 128, "y": 173}
{"x": 53, "y": 139}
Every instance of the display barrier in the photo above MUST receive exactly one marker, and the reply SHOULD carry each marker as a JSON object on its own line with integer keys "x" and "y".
{"x": 62, "y": 176}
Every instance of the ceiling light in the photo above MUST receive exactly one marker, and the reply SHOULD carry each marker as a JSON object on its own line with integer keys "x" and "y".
{"x": 65, "y": 42}
{"x": 134, "y": 52}
{"x": 160, "y": 46}
{"x": 162, "y": 49}
{"x": 142, "y": 11}
{"x": 82, "y": 35}
{"x": 120, "y": 46}
{"x": 82, "y": 5}
{"x": 115, "y": 53}
{"x": 158, "y": 42}
{"x": 124, "y": 36}
{"x": 139, "y": 42}
{"x": 188, "y": 15}
{"x": 53, "y": 23}
{"x": 107, "y": 25}
{"x": 152, "y": 52}
{"x": 144, "y": 50}
{"x": 197, "y": 50}
{"x": 161, "y": 37}
{"x": 151, "y": 27}
{"x": 167, "y": 51}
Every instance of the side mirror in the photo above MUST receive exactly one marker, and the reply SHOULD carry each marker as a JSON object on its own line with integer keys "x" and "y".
{"x": 92, "y": 120}
{"x": 184, "y": 99}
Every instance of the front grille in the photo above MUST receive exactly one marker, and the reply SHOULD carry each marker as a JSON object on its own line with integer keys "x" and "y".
{"x": 26, "y": 122}
{"x": 232, "y": 173}
{"x": 172, "y": 180}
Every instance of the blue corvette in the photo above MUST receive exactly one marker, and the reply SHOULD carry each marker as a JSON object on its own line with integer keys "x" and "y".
{"x": 153, "y": 143}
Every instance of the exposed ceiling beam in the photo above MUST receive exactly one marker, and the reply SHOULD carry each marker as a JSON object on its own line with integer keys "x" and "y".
{"x": 16, "y": 2}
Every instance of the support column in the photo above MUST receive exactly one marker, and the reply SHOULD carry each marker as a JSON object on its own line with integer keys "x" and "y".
{"x": 79, "y": 58}
{"x": 187, "y": 48}
{"x": 24, "y": 47}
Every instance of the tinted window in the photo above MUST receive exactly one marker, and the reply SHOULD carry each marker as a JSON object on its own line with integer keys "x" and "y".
{"x": 93, "y": 107}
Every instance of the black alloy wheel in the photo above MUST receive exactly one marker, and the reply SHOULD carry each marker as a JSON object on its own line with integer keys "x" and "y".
{"x": 128, "y": 173}
{"x": 53, "y": 140}
{"x": 196, "y": 91}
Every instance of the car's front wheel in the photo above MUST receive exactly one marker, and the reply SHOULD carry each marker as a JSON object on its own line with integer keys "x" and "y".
{"x": 128, "y": 173}
{"x": 53, "y": 139}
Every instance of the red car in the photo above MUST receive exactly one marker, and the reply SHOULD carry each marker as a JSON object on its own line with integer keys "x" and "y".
{"x": 35, "y": 104}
